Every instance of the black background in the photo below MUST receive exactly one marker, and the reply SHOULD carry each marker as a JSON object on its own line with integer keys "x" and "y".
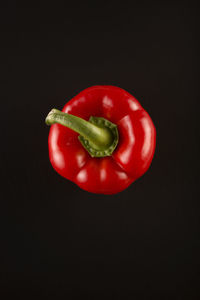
{"x": 60, "y": 241}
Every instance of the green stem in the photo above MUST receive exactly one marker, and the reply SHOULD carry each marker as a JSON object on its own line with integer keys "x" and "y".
{"x": 100, "y": 138}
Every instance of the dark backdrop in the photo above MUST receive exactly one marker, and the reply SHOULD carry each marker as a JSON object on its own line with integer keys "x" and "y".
{"x": 57, "y": 240}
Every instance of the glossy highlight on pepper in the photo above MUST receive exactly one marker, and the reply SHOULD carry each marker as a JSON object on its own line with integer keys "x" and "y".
{"x": 103, "y": 140}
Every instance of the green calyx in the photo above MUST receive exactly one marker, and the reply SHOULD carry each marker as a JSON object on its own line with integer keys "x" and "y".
{"x": 98, "y": 135}
{"x": 105, "y": 150}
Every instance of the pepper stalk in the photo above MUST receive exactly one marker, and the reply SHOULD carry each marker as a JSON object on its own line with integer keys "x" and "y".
{"x": 98, "y": 135}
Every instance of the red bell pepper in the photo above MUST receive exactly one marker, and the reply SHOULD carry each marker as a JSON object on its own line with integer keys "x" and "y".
{"x": 103, "y": 139}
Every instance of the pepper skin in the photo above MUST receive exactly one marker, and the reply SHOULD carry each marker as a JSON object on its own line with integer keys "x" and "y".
{"x": 132, "y": 155}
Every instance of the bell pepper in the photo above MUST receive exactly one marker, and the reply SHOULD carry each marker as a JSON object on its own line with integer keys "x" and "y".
{"x": 102, "y": 140}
